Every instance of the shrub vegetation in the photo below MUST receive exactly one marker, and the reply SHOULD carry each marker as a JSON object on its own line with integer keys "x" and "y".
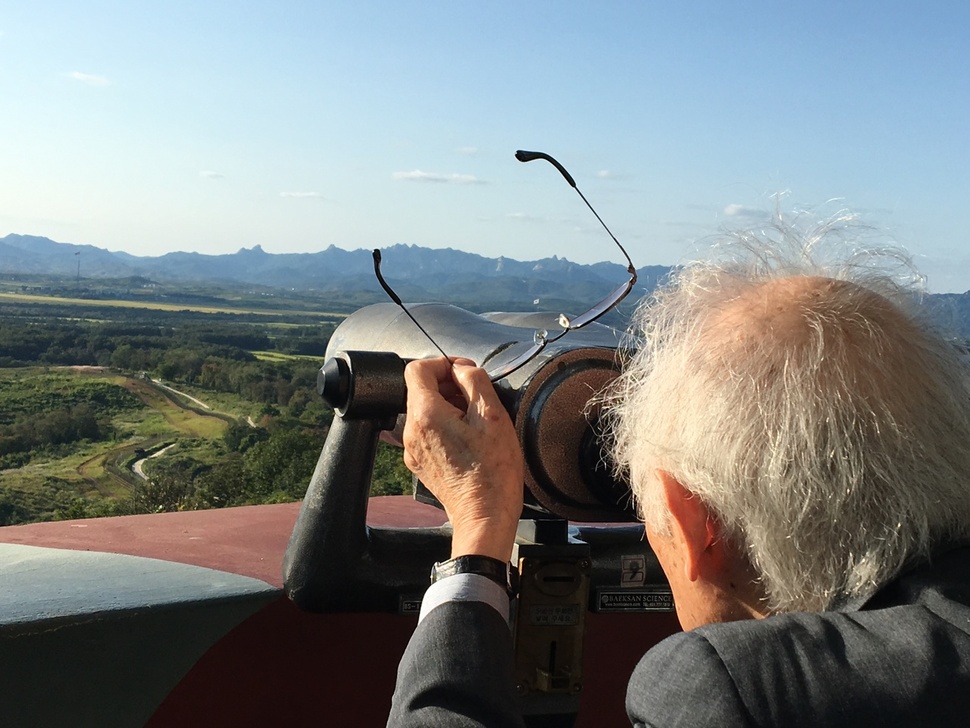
{"x": 86, "y": 392}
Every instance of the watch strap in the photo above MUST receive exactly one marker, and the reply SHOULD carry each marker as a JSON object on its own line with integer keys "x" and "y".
{"x": 500, "y": 572}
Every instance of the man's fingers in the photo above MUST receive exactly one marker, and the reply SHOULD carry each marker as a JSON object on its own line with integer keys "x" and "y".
{"x": 462, "y": 361}
{"x": 434, "y": 375}
{"x": 477, "y": 388}
{"x": 429, "y": 382}
{"x": 427, "y": 373}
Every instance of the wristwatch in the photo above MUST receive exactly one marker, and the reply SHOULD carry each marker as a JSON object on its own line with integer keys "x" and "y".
{"x": 500, "y": 572}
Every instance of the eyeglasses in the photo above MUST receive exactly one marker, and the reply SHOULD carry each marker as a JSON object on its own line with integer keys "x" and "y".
{"x": 541, "y": 337}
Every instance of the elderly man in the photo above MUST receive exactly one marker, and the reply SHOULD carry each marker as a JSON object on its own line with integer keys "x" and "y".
{"x": 798, "y": 442}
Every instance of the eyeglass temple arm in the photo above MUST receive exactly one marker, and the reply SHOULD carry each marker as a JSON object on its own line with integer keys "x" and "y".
{"x": 524, "y": 156}
{"x": 397, "y": 299}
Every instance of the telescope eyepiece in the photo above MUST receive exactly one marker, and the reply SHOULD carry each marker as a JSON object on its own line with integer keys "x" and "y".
{"x": 333, "y": 382}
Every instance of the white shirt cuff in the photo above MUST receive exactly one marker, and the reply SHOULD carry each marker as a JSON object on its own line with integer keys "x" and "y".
{"x": 466, "y": 588}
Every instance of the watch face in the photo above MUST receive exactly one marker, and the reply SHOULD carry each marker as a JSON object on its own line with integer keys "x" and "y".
{"x": 442, "y": 569}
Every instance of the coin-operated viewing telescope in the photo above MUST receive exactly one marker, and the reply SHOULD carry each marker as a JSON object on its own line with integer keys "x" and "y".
{"x": 566, "y": 474}
{"x": 335, "y": 562}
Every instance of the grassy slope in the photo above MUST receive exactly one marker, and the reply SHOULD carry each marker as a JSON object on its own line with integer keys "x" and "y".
{"x": 101, "y": 470}
{"x": 95, "y": 470}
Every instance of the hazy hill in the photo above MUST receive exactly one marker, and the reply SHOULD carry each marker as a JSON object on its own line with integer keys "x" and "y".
{"x": 416, "y": 273}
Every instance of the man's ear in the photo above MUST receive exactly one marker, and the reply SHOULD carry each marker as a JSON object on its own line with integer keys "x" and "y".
{"x": 691, "y": 525}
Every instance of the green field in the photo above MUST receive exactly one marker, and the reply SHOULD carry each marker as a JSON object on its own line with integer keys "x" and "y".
{"x": 221, "y": 383}
{"x": 95, "y": 471}
{"x": 28, "y": 298}
{"x": 278, "y": 356}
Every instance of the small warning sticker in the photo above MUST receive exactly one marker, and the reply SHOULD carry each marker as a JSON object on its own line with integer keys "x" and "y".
{"x": 645, "y": 599}
{"x": 633, "y": 570}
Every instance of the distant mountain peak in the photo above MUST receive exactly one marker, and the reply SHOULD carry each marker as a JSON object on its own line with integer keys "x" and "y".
{"x": 442, "y": 274}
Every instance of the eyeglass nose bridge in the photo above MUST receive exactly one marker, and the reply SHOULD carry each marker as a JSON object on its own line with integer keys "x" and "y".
{"x": 541, "y": 337}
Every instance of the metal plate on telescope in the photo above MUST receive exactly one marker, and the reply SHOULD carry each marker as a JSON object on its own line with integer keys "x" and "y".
{"x": 645, "y": 599}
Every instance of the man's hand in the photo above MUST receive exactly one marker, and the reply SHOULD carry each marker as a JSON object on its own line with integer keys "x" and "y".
{"x": 460, "y": 442}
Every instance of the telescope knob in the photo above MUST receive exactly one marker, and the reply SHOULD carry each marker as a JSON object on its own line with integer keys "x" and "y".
{"x": 363, "y": 384}
{"x": 333, "y": 382}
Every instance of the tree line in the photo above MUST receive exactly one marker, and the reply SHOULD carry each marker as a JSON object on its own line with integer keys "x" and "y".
{"x": 266, "y": 463}
{"x": 145, "y": 342}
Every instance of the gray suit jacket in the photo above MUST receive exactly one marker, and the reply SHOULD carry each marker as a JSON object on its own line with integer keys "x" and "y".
{"x": 457, "y": 671}
{"x": 902, "y": 659}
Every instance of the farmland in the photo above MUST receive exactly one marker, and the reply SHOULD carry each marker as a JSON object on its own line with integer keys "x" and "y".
{"x": 223, "y": 394}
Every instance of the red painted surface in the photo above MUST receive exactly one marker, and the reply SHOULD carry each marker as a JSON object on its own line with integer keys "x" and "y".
{"x": 283, "y": 666}
{"x": 250, "y": 540}
{"x": 287, "y": 667}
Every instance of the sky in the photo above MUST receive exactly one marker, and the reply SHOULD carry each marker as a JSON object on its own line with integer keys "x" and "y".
{"x": 152, "y": 127}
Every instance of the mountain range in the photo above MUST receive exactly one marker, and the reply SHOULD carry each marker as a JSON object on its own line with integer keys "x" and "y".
{"x": 417, "y": 274}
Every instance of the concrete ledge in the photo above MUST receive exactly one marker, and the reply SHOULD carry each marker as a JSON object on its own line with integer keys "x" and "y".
{"x": 38, "y": 585}
{"x": 95, "y": 639}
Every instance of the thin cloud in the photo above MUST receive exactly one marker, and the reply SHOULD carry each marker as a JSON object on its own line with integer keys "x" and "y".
{"x": 303, "y": 195}
{"x": 736, "y": 210}
{"x": 524, "y": 217}
{"x": 209, "y": 174}
{"x": 455, "y": 179}
{"x": 613, "y": 176}
{"x": 89, "y": 78}
{"x": 467, "y": 151}
{"x": 681, "y": 223}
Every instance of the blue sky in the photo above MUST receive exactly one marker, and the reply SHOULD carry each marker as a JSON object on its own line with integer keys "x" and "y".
{"x": 211, "y": 126}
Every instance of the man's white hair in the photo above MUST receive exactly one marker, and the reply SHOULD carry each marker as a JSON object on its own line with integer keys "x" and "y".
{"x": 807, "y": 403}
